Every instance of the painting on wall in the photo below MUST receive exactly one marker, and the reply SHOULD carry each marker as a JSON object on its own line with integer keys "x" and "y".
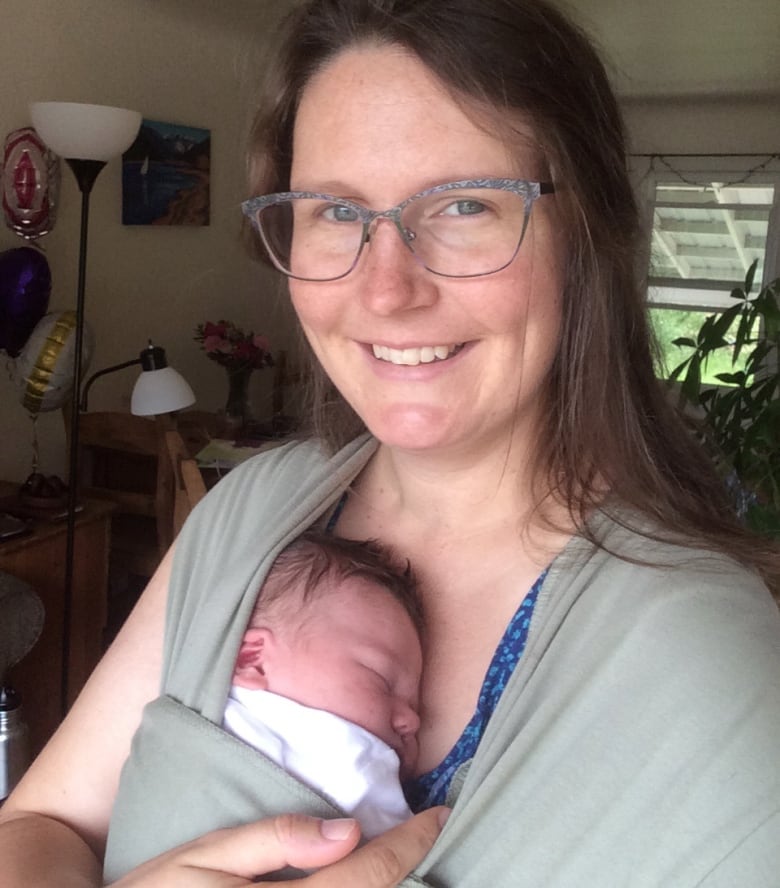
{"x": 165, "y": 176}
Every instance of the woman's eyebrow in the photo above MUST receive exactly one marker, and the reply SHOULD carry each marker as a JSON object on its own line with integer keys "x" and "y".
{"x": 329, "y": 186}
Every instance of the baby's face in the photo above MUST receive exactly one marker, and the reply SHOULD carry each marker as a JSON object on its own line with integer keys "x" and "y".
{"x": 358, "y": 656}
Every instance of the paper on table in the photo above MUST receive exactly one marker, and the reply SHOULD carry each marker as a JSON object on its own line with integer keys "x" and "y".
{"x": 221, "y": 453}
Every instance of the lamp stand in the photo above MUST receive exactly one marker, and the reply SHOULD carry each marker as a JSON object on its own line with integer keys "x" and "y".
{"x": 86, "y": 172}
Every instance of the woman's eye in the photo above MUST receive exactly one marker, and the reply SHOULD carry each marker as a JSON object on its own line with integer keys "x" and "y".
{"x": 465, "y": 207}
{"x": 340, "y": 213}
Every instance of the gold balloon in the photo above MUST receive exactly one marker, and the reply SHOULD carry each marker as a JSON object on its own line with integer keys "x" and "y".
{"x": 45, "y": 365}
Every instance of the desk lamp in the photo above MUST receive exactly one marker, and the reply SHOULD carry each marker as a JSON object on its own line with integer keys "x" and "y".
{"x": 87, "y": 137}
{"x": 159, "y": 389}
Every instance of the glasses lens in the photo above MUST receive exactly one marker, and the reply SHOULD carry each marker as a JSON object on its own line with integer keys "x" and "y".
{"x": 311, "y": 238}
{"x": 466, "y": 232}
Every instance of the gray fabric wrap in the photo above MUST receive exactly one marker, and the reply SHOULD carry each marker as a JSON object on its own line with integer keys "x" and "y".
{"x": 636, "y": 744}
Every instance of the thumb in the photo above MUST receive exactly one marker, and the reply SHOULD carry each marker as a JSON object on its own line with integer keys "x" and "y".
{"x": 273, "y": 843}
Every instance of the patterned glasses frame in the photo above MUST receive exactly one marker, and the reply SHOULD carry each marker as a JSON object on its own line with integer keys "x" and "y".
{"x": 528, "y": 190}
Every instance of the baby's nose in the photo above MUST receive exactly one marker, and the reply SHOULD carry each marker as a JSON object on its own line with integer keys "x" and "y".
{"x": 406, "y": 721}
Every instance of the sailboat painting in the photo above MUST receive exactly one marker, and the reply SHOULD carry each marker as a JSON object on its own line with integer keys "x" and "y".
{"x": 166, "y": 176}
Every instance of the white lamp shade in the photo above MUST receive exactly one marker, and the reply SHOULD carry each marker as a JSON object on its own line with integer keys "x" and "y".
{"x": 85, "y": 132}
{"x": 160, "y": 391}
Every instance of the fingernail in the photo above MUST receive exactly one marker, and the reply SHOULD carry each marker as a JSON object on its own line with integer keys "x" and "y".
{"x": 337, "y": 829}
{"x": 444, "y": 816}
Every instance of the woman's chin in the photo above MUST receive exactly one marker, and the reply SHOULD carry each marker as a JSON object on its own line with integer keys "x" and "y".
{"x": 417, "y": 427}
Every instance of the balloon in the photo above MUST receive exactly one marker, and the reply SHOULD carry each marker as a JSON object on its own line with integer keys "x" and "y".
{"x": 44, "y": 369}
{"x": 31, "y": 180}
{"x": 25, "y": 287}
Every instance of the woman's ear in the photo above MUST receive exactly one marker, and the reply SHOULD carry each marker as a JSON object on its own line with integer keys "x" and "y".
{"x": 249, "y": 671}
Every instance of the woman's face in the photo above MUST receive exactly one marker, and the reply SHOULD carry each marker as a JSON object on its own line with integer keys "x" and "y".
{"x": 375, "y": 126}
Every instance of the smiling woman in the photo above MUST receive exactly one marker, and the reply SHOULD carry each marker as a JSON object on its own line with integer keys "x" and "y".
{"x": 597, "y": 621}
{"x": 496, "y": 350}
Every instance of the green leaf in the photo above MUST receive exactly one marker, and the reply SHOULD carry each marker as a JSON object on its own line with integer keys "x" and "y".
{"x": 743, "y": 336}
{"x": 738, "y": 293}
{"x": 692, "y": 382}
{"x": 720, "y": 326}
{"x": 731, "y": 378}
{"x": 751, "y": 273}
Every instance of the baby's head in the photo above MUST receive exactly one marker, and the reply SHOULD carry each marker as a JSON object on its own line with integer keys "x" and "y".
{"x": 336, "y": 627}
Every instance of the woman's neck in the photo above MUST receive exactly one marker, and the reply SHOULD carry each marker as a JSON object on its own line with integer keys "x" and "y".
{"x": 454, "y": 493}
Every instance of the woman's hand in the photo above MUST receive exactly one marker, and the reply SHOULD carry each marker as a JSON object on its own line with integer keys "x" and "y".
{"x": 231, "y": 858}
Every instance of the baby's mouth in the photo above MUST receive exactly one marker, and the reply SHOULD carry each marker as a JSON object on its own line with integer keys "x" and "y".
{"x": 411, "y": 357}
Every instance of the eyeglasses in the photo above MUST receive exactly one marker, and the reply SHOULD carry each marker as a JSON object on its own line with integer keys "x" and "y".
{"x": 461, "y": 229}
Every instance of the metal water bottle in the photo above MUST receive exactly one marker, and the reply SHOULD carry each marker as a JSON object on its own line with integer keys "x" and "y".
{"x": 14, "y": 741}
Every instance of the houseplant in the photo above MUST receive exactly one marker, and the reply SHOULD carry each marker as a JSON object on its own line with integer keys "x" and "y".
{"x": 739, "y": 420}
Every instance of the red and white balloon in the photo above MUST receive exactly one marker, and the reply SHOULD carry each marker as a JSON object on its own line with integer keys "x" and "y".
{"x": 31, "y": 178}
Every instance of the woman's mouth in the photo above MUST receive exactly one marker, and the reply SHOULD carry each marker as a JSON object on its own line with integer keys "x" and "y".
{"x": 411, "y": 357}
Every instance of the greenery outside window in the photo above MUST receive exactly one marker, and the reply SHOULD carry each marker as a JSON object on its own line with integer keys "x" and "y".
{"x": 707, "y": 229}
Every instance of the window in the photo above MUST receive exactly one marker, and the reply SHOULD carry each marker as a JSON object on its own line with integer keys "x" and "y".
{"x": 707, "y": 226}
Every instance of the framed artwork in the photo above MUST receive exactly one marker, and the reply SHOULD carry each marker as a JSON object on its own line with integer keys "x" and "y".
{"x": 166, "y": 176}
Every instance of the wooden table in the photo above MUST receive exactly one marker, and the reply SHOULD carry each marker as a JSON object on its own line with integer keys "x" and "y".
{"x": 39, "y": 559}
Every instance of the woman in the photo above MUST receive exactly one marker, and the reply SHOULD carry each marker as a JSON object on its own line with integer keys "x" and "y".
{"x": 490, "y": 335}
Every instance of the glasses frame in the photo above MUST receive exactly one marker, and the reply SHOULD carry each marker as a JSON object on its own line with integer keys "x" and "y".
{"x": 528, "y": 190}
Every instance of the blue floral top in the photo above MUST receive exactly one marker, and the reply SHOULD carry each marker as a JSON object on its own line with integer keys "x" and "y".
{"x": 431, "y": 788}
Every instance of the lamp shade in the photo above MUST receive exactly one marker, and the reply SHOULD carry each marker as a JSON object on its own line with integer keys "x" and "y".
{"x": 160, "y": 391}
{"x": 77, "y": 131}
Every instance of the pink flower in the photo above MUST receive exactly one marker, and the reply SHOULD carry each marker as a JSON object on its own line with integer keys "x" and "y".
{"x": 219, "y": 329}
{"x": 213, "y": 343}
{"x": 233, "y": 349}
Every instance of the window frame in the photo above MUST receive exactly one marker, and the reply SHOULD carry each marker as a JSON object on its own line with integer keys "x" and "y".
{"x": 704, "y": 169}
{"x": 651, "y": 170}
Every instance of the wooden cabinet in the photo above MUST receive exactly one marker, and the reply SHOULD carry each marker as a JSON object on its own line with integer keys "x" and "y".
{"x": 39, "y": 559}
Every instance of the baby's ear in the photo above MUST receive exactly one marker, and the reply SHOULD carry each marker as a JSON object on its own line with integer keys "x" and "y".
{"x": 249, "y": 671}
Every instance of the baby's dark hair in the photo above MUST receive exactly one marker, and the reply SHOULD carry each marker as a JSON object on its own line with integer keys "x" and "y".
{"x": 316, "y": 557}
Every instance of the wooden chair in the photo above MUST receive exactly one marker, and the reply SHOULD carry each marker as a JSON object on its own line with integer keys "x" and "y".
{"x": 124, "y": 459}
{"x": 189, "y": 486}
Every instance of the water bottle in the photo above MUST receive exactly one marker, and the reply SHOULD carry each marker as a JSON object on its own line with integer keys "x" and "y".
{"x": 14, "y": 741}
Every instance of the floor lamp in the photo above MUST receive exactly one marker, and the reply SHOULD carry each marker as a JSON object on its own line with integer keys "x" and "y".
{"x": 86, "y": 137}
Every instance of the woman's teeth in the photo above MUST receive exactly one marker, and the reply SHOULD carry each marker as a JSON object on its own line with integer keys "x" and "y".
{"x": 413, "y": 356}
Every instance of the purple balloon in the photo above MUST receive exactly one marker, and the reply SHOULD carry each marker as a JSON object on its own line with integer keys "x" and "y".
{"x": 25, "y": 287}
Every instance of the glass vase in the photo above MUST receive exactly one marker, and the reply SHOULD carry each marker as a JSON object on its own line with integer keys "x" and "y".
{"x": 237, "y": 410}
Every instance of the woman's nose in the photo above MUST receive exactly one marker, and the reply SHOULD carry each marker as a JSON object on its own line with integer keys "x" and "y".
{"x": 391, "y": 277}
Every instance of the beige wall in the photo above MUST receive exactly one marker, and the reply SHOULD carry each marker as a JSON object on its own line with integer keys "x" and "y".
{"x": 183, "y": 62}
{"x": 705, "y": 125}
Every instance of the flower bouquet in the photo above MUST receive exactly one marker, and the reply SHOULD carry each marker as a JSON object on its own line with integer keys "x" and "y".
{"x": 240, "y": 354}
{"x": 233, "y": 349}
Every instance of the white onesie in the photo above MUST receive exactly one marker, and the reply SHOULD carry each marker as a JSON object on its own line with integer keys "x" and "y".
{"x": 350, "y": 767}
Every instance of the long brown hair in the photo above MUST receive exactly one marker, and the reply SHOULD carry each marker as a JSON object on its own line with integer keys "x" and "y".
{"x": 609, "y": 424}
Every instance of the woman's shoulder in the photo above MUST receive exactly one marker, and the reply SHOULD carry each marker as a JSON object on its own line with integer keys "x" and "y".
{"x": 678, "y": 602}
{"x": 624, "y": 541}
